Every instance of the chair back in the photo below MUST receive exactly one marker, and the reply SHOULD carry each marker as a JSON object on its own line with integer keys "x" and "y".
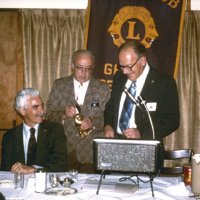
{"x": 176, "y": 155}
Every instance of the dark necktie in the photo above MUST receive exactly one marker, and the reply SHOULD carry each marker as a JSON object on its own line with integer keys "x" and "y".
{"x": 127, "y": 108}
{"x": 31, "y": 148}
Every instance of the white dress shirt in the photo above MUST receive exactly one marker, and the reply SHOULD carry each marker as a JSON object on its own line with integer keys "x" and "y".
{"x": 80, "y": 90}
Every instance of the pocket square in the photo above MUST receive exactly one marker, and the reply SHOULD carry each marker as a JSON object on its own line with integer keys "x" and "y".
{"x": 94, "y": 104}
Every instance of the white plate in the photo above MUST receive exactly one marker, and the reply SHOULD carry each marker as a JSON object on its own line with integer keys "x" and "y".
{"x": 6, "y": 183}
{"x": 60, "y": 191}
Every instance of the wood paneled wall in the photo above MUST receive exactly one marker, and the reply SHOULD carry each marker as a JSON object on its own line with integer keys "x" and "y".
{"x": 11, "y": 68}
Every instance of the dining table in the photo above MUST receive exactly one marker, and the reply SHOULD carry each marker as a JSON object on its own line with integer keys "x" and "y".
{"x": 114, "y": 186}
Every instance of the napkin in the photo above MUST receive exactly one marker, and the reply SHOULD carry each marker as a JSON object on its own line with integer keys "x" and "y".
{"x": 177, "y": 190}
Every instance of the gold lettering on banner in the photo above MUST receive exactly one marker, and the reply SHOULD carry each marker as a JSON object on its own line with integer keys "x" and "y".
{"x": 130, "y": 14}
{"x": 172, "y": 3}
{"x": 109, "y": 82}
{"x": 131, "y": 30}
{"x": 109, "y": 69}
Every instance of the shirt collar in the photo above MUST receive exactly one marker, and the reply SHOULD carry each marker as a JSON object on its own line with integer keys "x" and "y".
{"x": 26, "y": 128}
{"x": 144, "y": 74}
{"x": 77, "y": 83}
{"x": 142, "y": 77}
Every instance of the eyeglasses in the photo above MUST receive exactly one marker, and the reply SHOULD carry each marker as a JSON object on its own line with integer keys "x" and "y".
{"x": 121, "y": 67}
{"x": 81, "y": 69}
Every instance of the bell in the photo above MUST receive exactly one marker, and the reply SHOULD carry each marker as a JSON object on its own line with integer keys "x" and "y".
{"x": 78, "y": 118}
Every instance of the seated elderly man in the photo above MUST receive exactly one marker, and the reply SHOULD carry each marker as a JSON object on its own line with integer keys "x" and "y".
{"x": 35, "y": 143}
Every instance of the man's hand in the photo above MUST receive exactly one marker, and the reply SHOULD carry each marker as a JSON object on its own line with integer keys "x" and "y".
{"x": 21, "y": 168}
{"x": 86, "y": 123}
{"x": 132, "y": 133}
{"x": 70, "y": 111}
{"x": 109, "y": 132}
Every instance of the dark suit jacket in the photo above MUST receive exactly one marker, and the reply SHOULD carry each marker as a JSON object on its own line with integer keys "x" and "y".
{"x": 62, "y": 95}
{"x": 51, "y": 152}
{"x": 158, "y": 88}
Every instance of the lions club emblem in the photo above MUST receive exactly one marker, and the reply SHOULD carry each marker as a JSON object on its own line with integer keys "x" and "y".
{"x": 126, "y": 23}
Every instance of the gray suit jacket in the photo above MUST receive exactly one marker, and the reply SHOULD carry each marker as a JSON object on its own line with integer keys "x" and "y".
{"x": 62, "y": 95}
{"x": 51, "y": 151}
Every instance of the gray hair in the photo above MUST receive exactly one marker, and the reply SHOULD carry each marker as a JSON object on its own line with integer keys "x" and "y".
{"x": 23, "y": 95}
{"x": 82, "y": 52}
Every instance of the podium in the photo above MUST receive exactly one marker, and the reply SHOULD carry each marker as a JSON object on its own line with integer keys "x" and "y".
{"x": 126, "y": 155}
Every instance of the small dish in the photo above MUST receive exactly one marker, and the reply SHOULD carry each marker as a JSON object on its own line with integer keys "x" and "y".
{"x": 6, "y": 183}
{"x": 60, "y": 191}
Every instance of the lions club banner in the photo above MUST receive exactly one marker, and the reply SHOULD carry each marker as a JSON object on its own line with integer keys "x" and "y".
{"x": 155, "y": 23}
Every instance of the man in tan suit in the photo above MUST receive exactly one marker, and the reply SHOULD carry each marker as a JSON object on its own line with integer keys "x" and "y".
{"x": 79, "y": 93}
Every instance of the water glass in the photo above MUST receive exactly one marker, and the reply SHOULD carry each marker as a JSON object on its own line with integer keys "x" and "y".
{"x": 73, "y": 174}
{"x": 19, "y": 180}
{"x": 54, "y": 180}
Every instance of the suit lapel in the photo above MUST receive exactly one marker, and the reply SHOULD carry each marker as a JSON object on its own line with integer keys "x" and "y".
{"x": 68, "y": 94}
{"x": 19, "y": 142}
{"x": 41, "y": 139}
{"x": 90, "y": 92}
{"x": 146, "y": 92}
{"x": 42, "y": 132}
{"x": 118, "y": 91}
{"x": 120, "y": 87}
{"x": 149, "y": 83}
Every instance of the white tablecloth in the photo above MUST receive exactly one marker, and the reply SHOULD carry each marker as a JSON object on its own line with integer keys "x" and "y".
{"x": 165, "y": 188}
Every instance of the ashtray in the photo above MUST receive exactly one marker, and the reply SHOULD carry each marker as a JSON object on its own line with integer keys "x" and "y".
{"x": 60, "y": 191}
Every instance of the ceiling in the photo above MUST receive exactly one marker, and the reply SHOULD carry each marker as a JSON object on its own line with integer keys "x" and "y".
{"x": 61, "y": 4}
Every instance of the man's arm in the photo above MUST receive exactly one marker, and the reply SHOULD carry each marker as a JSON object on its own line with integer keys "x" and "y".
{"x": 168, "y": 118}
{"x": 10, "y": 160}
{"x": 6, "y": 154}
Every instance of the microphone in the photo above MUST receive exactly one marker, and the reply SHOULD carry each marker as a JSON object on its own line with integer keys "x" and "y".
{"x": 139, "y": 103}
{"x": 142, "y": 101}
{"x": 131, "y": 97}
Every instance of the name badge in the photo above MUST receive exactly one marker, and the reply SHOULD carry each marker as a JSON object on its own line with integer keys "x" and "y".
{"x": 151, "y": 106}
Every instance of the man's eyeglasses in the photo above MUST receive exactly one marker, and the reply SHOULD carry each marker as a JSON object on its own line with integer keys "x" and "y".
{"x": 121, "y": 67}
{"x": 81, "y": 69}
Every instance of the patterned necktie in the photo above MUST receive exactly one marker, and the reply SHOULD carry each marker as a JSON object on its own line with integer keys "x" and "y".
{"x": 127, "y": 108}
{"x": 31, "y": 148}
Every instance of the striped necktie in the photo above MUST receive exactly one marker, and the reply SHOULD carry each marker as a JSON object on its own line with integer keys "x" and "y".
{"x": 127, "y": 108}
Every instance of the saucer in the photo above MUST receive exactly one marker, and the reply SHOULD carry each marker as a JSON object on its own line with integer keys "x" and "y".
{"x": 6, "y": 183}
{"x": 60, "y": 191}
